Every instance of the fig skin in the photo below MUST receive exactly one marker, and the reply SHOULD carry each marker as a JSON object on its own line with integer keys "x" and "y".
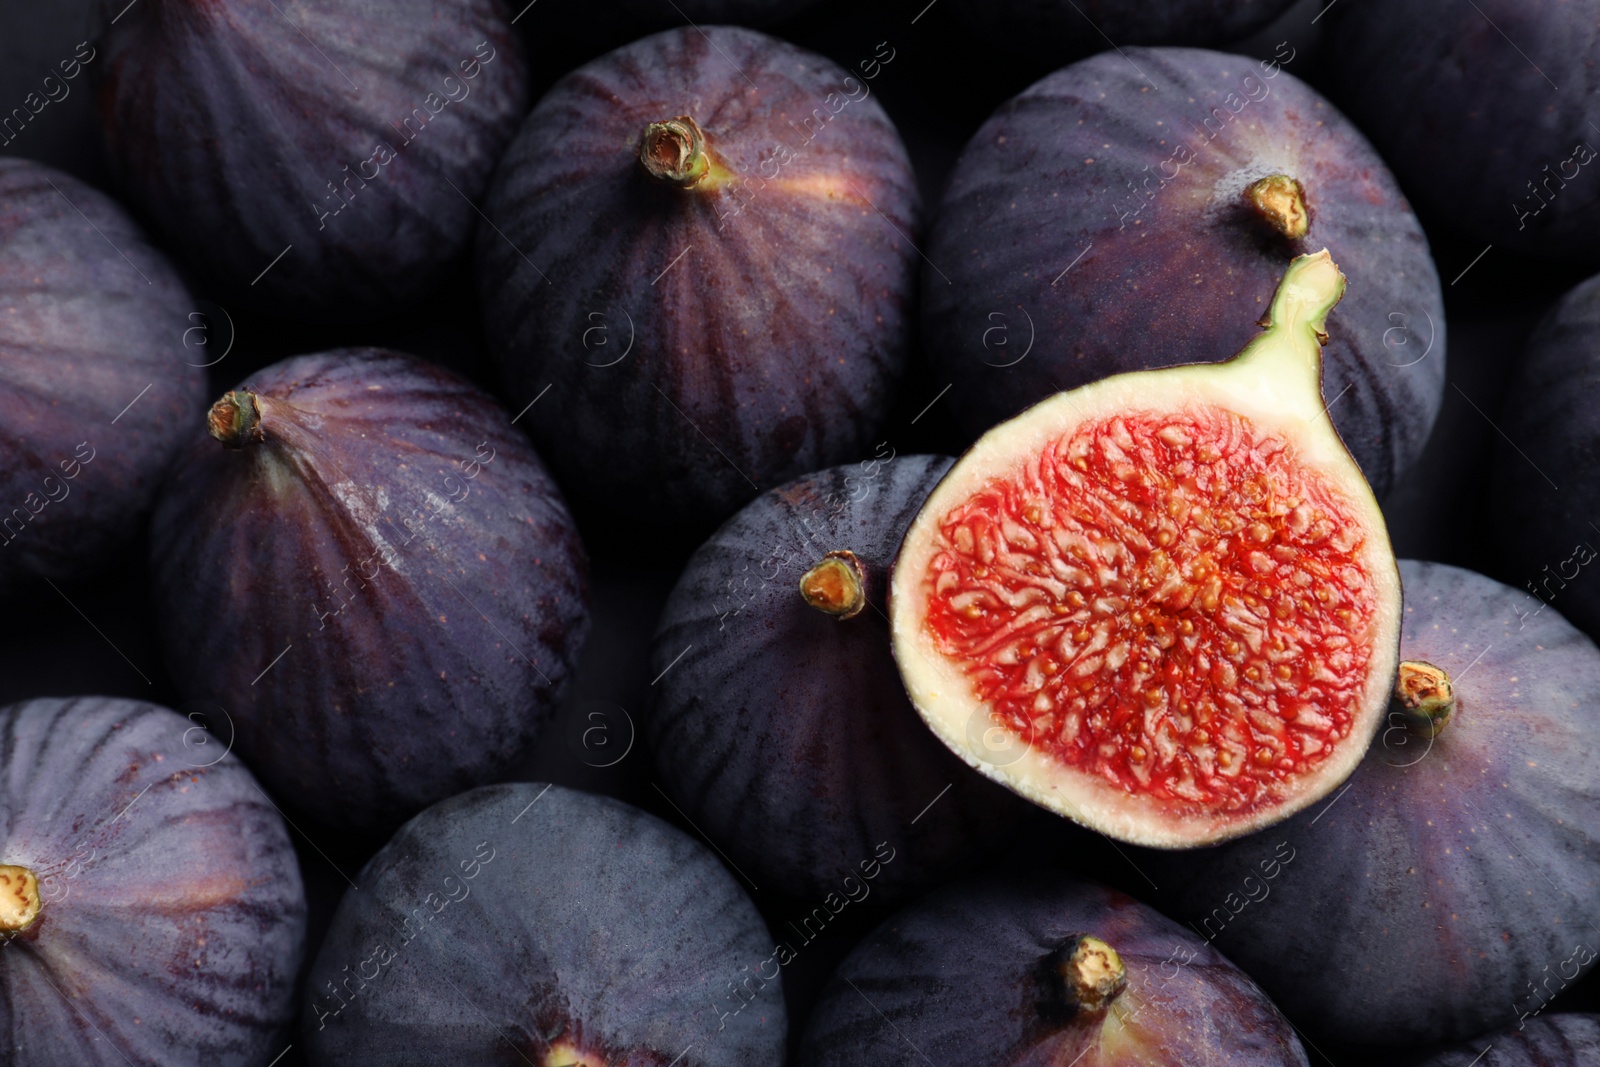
{"x": 1056, "y": 30}
{"x": 225, "y": 123}
{"x": 1165, "y": 285}
{"x": 750, "y": 326}
{"x": 1432, "y": 81}
{"x": 590, "y": 925}
{"x": 784, "y": 733}
{"x": 172, "y": 912}
{"x": 1552, "y": 412}
{"x": 1548, "y": 1041}
{"x": 1426, "y": 900}
{"x": 422, "y": 662}
{"x": 955, "y": 978}
{"x": 85, "y": 337}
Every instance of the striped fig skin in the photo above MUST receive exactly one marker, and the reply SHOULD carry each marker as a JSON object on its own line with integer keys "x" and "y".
{"x": 96, "y": 386}
{"x": 1548, "y": 1041}
{"x": 532, "y": 924}
{"x": 785, "y": 733}
{"x": 1469, "y": 90}
{"x": 1544, "y": 496}
{"x": 387, "y": 594}
{"x": 701, "y": 344}
{"x": 1106, "y": 222}
{"x": 1453, "y": 885}
{"x": 242, "y": 129}
{"x": 955, "y": 978}
{"x": 173, "y": 918}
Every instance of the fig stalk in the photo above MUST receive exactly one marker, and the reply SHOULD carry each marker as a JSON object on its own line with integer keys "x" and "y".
{"x": 1280, "y": 202}
{"x": 235, "y": 419}
{"x": 19, "y": 898}
{"x": 1092, "y": 974}
{"x": 837, "y": 585}
{"x": 1425, "y": 697}
{"x": 674, "y": 152}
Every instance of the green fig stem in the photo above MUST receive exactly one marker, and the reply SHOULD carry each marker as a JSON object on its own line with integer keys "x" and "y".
{"x": 674, "y": 152}
{"x": 235, "y": 420}
{"x": 1092, "y": 974}
{"x": 1280, "y": 202}
{"x": 837, "y": 585}
{"x": 19, "y": 898}
{"x": 1425, "y": 697}
{"x": 1281, "y": 368}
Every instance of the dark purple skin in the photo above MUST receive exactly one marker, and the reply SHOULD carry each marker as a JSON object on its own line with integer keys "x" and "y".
{"x": 1548, "y": 1041}
{"x": 959, "y": 977}
{"x": 771, "y": 347}
{"x": 1049, "y": 270}
{"x": 1435, "y": 80}
{"x": 1453, "y": 885}
{"x": 87, "y": 333}
{"x": 1546, "y": 534}
{"x": 172, "y": 914}
{"x": 399, "y": 543}
{"x": 784, "y": 732}
{"x": 241, "y": 129}
{"x": 555, "y": 918}
{"x": 1060, "y": 30}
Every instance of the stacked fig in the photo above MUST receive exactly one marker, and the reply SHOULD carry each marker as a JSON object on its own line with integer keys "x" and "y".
{"x": 1018, "y": 664}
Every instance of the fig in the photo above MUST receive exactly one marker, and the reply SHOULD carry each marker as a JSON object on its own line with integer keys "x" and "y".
{"x": 711, "y": 232}
{"x": 780, "y": 726}
{"x": 568, "y": 928}
{"x": 1481, "y": 81}
{"x": 1163, "y": 604}
{"x": 406, "y": 590}
{"x": 1058, "y": 30}
{"x": 312, "y": 159}
{"x": 149, "y": 895}
{"x": 96, "y": 381}
{"x": 1551, "y": 1041}
{"x": 1453, "y": 884}
{"x": 1093, "y": 226}
{"x": 1041, "y": 970}
{"x": 1544, "y": 498}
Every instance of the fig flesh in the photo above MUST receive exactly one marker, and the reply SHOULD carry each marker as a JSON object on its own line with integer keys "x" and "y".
{"x": 1163, "y": 604}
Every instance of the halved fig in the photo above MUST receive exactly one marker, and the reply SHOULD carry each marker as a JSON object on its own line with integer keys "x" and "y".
{"x": 1163, "y": 604}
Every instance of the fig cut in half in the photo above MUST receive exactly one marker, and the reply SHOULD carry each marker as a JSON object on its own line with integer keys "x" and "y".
{"x": 1163, "y": 604}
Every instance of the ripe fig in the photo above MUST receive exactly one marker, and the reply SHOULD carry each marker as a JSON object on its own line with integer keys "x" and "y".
{"x": 780, "y": 725}
{"x": 375, "y": 576}
{"x": 151, "y": 908}
{"x": 534, "y": 924}
{"x": 1038, "y": 971}
{"x": 1058, "y": 30}
{"x": 1550, "y": 1041}
{"x": 1169, "y": 593}
{"x": 710, "y": 232}
{"x": 1433, "y": 80}
{"x": 316, "y": 159}
{"x": 1452, "y": 885}
{"x": 1544, "y": 497}
{"x": 96, "y": 381}
{"x": 1094, "y": 226}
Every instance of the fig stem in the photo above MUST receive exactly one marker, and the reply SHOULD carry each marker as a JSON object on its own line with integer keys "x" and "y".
{"x": 235, "y": 420}
{"x": 674, "y": 152}
{"x": 1093, "y": 974}
{"x": 1425, "y": 696}
{"x": 1280, "y": 202}
{"x": 19, "y": 898}
{"x": 837, "y": 585}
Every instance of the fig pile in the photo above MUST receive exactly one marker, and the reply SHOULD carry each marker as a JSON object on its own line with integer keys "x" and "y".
{"x": 789, "y": 533}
